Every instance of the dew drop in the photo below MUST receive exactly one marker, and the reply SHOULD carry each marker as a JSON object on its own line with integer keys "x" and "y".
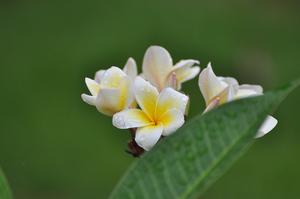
{"x": 119, "y": 121}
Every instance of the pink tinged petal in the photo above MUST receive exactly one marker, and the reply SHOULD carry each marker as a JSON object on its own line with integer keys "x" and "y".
{"x": 210, "y": 85}
{"x": 171, "y": 121}
{"x": 91, "y": 100}
{"x": 131, "y": 118}
{"x": 227, "y": 95}
{"x": 146, "y": 96}
{"x": 172, "y": 81}
{"x": 92, "y": 85}
{"x": 170, "y": 99}
{"x": 185, "y": 71}
{"x": 213, "y": 104}
{"x": 130, "y": 68}
{"x": 108, "y": 101}
{"x": 99, "y": 74}
{"x": 157, "y": 64}
{"x": 269, "y": 123}
{"x": 146, "y": 137}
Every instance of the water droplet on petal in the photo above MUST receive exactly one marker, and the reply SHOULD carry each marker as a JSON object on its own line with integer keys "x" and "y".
{"x": 119, "y": 121}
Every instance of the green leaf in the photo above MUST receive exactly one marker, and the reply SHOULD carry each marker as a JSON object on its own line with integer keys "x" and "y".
{"x": 5, "y": 192}
{"x": 185, "y": 164}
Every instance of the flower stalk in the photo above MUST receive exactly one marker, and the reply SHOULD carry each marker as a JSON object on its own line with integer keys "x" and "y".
{"x": 133, "y": 148}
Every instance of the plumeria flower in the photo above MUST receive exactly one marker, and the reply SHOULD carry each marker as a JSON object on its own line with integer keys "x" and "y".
{"x": 112, "y": 89}
{"x": 158, "y": 68}
{"x": 161, "y": 114}
{"x": 219, "y": 90}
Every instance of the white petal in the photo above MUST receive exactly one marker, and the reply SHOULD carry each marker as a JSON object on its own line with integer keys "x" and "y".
{"x": 184, "y": 75}
{"x": 256, "y": 88}
{"x": 172, "y": 81}
{"x": 213, "y": 104}
{"x": 184, "y": 71}
{"x": 93, "y": 86}
{"x": 146, "y": 96}
{"x": 112, "y": 77}
{"x": 248, "y": 91}
{"x": 227, "y": 95}
{"x": 108, "y": 101}
{"x": 157, "y": 64}
{"x": 229, "y": 80}
{"x": 171, "y": 121}
{"x": 210, "y": 85}
{"x": 170, "y": 99}
{"x": 146, "y": 137}
{"x": 269, "y": 123}
{"x": 91, "y": 100}
{"x": 131, "y": 118}
{"x": 126, "y": 88}
{"x": 130, "y": 68}
{"x": 98, "y": 76}
{"x": 232, "y": 91}
{"x": 185, "y": 63}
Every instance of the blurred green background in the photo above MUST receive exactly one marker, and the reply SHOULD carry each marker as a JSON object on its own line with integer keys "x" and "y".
{"x": 52, "y": 145}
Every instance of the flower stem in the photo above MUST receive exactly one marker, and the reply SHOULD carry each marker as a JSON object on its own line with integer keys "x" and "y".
{"x": 133, "y": 148}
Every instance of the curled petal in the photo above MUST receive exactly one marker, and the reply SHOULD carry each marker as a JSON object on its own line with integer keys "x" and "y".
{"x": 89, "y": 99}
{"x": 229, "y": 80}
{"x": 187, "y": 74}
{"x": 108, "y": 101}
{"x": 231, "y": 92}
{"x": 227, "y": 95}
{"x": 157, "y": 64}
{"x": 130, "y": 68}
{"x": 146, "y": 96}
{"x": 185, "y": 63}
{"x": 269, "y": 123}
{"x": 170, "y": 99}
{"x": 185, "y": 71}
{"x": 255, "y": 88}
{"x": 244, "y": 91}
{"x": 131, "y": 118}
{"x": 99, "y": 74}
{"x": 210, "y": 85}
{"x": 93, "y": 86}
{"x": 146, "y": 137}
{"x": 171, "y": 121}
{"x": 112, "y": 77}
{"x": 213, "y": 104}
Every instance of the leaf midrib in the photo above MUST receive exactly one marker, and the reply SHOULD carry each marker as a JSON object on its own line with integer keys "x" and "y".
{"x": 210, "y": 169}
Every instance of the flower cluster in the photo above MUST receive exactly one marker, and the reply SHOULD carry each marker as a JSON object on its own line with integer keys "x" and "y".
{"x": 151, "y": 104}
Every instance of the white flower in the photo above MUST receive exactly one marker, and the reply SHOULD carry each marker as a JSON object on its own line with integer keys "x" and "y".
{"x": 160, "y": 113}
{"x": 130, "y": 69}
{"x": 159, "y": 70}
{"x": 112, "y": 89}
{"x": 219, "y": 90}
